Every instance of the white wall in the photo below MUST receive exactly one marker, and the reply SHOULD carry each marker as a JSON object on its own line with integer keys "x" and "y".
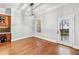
{"x": 71, "y": 9}
{"x": 2, "y": 11}
{"x": 49, "y": 19}
{"x": 49, "y": 25}
{"x": 21, "y": 26}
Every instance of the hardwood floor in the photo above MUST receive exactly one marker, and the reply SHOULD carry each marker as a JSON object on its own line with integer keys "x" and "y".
{"x": 36, "y": 46}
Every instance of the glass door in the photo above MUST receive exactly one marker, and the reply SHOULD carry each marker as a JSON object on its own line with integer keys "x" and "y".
{"x": 66, "y": 30}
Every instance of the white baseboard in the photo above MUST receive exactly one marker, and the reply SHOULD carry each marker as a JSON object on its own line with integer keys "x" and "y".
{"x": 76, "y": 47}
{"x": 21, "y": 38}
{"x": 45, "y": 38}
{"x": 53, "y": 41}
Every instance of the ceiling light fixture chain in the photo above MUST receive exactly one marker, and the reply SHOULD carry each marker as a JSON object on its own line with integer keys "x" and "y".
{"x": 32, "y": 9}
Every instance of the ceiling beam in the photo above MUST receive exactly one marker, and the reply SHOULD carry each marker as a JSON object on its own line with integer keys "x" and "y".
{"x": 33, "y": 8}
{"x": 37, "y": 6}
{"x": 27, "y": 7}
{"x": 20, "y": 5}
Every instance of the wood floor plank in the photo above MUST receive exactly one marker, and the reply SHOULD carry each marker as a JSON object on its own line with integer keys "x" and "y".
{"x": 36, "y": 46}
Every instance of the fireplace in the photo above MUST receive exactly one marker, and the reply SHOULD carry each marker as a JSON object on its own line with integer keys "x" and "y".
{"x": 5, "y": 38}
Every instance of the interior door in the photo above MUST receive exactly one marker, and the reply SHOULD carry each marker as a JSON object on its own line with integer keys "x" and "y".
{"x": 66, "y": 30}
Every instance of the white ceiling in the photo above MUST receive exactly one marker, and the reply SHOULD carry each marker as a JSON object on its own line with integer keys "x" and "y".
{"x": 38, "y": 7}
{"x": 47, "y": 6}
